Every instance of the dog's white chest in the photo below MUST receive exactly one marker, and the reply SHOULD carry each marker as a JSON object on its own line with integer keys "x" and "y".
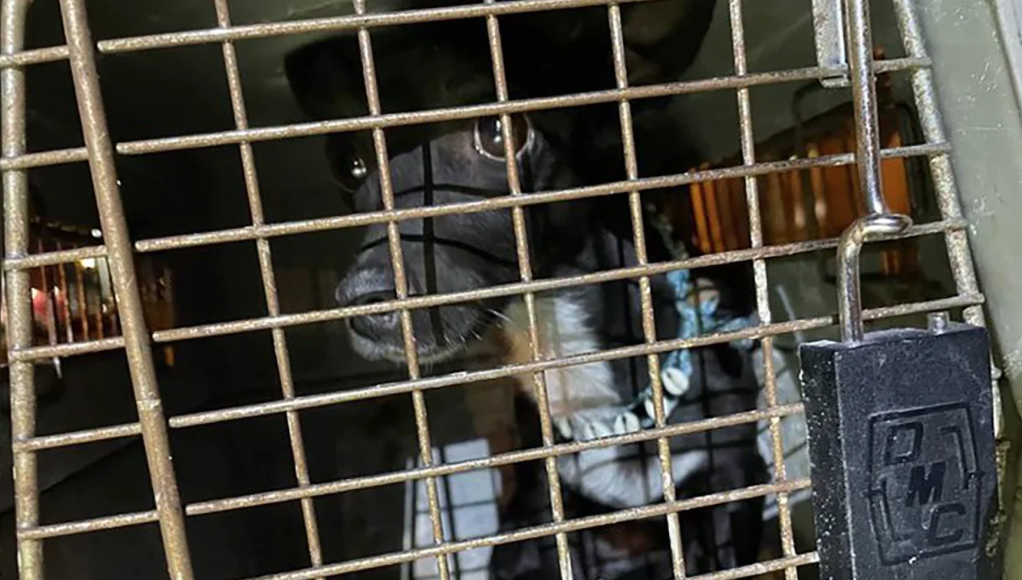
{"x": 563, "y": 330}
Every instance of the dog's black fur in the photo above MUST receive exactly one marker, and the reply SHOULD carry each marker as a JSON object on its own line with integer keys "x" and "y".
{"x": 448, "y": 64}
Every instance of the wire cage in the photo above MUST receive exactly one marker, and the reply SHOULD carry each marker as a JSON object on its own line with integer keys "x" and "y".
{"x": 75, "y": 302}
{"x": 786, "y": 196}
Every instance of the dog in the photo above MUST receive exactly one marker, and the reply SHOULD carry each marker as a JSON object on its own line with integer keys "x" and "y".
{"x": 563, "y": 52}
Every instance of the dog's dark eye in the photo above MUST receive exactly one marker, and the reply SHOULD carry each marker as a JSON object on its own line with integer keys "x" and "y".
{"x": 489, "y": 136}
{"x": 349, "y": 171}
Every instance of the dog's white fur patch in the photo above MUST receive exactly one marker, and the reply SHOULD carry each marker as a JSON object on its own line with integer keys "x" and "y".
{"x": 563, "y": 329}
{"x": 584, "y": 396}
{"x": 618, "y": 476}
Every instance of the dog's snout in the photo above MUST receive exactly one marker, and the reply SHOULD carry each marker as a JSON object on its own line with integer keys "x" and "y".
{"x": 365, "y": 287}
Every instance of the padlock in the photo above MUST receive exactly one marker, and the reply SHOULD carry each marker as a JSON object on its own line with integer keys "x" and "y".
{"x": 901, "y": 447}
{"x": 901, "y": 443}
{"x": 900, "y": 422}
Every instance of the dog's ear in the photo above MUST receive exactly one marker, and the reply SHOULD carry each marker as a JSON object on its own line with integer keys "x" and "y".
{"x": 663, "y": 38}
{"x": 569, "y": 51}
{"x": 426, "y": 66}
{"x": 326, "y": 78}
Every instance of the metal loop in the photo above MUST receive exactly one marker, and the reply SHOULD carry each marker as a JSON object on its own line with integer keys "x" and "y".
{"x": 849, "y": 248}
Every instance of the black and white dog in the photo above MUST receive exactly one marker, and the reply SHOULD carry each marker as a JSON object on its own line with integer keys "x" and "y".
{"x": 448, "y": 64}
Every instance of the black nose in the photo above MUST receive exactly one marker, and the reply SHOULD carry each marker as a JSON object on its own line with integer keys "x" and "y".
{"x": 363, "y": 287}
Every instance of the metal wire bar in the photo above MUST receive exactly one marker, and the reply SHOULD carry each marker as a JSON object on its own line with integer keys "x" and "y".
{"x": 878, "y": 219}
{"x": 645, "y": 293}
{"x": 333, "y": 24}
{"x": 755, "y": 570}
{"x": 76, "y": 437}
{"x": 573, "y": 525}
{"x": 89, "y": 525}
{"x": 400, "y": 283}
{"x": 864, "y": 94}
{"x": 447, "y": 548}
{"x": 659, "y": 347}
{"x": 280, "y": 349}
{"x": 467, "y": 111}
{"x": 760, "y": 279}
{"x": 404, "y": 476}
{"x": 122, "y": 269}
{"x": 467, "y": 378}
{"x": 504, "y": 290}
{"x": 54, "y": 257}
{"x": 45, "y": 158}
{"x": 66, "y": 350}
{"x": 491, "y": 462}
{"x": 18, "y": 288}
{"x": 249, "y": 233}
{"x": 525, "y": 274}
{"x": 165, "y": 144}
{"x": 942, "y": 173}
{"x": 342, "y": 23}
{"x": 267, "y": 30}
{"x": 23, "y": 58}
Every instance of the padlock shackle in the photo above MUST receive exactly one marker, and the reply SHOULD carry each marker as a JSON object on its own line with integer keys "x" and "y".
{"x": 859, "y": 39}
{"x": 879, "y": 219}
{"x": 849, "y": 297}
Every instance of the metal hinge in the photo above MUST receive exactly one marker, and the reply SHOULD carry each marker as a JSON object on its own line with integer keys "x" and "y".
{"x": 831, "y": 47}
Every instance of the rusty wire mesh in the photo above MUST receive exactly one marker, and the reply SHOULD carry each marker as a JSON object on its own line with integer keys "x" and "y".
{"x": 136, "y": 339}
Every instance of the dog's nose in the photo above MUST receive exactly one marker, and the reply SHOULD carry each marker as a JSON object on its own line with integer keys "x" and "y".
{"x": 376, "y": 327}
{"x": 364, "y": 287}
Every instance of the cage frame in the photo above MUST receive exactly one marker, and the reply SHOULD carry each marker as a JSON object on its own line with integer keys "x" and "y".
{"x": 136, "y": 340}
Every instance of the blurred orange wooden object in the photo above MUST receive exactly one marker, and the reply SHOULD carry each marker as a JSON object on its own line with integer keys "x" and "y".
{"x": 808, "y": 204}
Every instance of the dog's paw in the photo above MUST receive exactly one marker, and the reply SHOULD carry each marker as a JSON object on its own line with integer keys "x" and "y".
{"x": 625, "y": 423}
{"x": 600, "y": 423}
{"x": 675, "y": 381}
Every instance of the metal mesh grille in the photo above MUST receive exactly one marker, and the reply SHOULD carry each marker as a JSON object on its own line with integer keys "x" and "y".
{"x": 136, "y": 339}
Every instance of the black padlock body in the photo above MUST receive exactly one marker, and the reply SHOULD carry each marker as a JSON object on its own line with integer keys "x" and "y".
{"x": 901, "y": 445}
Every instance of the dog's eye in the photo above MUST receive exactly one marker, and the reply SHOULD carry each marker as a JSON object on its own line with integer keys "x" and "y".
{"x": 349, "y": 172}
{"x": 489, "y": 136}
{"x": 357, "y": 168}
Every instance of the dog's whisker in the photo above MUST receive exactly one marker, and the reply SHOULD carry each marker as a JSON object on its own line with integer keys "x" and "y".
{"x": 504, "y": 317}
